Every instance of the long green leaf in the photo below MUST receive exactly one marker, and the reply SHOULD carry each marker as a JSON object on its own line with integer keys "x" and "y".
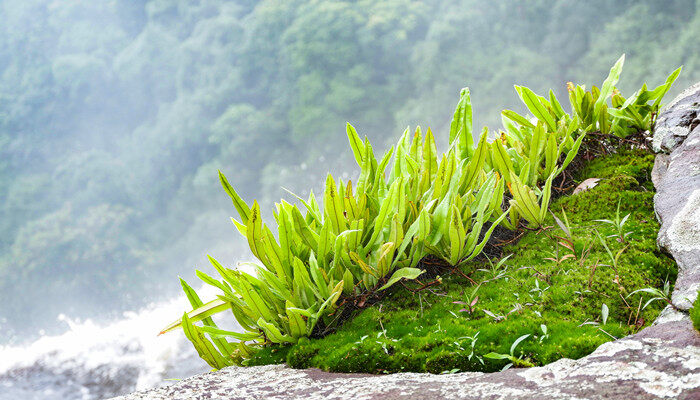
{"x": 204, "y": 347}
{"x": 515, "y": 117}
{"x": 358, "y": 148}
{"x": 198, "y": 314}
{"x": 461, "y": 125}
{"x": 241, "y": 206}
{"x": 535, "y": 106}
{"x": 609, "y": 84}
{"x": 403, "y": 273}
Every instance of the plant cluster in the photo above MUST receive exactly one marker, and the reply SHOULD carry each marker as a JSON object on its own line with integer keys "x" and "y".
{"x": 569, "y": 302}
{"x": 364, "y": 239}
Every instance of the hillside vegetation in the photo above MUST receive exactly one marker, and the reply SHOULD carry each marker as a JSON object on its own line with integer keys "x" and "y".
{"x": 115, "y": 115}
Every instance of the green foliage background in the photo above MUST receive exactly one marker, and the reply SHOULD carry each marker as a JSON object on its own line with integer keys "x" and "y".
{"x": 115, "y": 116}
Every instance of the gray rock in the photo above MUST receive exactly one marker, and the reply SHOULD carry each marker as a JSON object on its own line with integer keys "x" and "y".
{"x": 676, "y": 177}
{"x": 677, "y": 120}
{"x": 661, "y": 361}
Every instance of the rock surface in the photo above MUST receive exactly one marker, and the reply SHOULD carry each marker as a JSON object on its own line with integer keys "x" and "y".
{"x": 678, "y": 120}
{"x": 677, "y": 180}
{"x": 661, "y": 361}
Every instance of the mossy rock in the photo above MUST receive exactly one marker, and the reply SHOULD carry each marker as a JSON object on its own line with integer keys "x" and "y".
{"x": 554, "y": 298}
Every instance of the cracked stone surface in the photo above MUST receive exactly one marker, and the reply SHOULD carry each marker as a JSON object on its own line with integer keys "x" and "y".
{"x": 660, "y": 362}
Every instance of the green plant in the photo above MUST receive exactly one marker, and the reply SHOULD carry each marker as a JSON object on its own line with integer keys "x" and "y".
{"x": 470, "y": 301}
{"x": 528, "y": 151}
{"x": 523, "y": 155}
{"x": 539, "y": 291}
{"x": 604, "y": 312}
{"x": 461, "y": 243}
{"x": 626, "y": 116}
{"x": 635, "y": 113}
{"x": 362, "y": 241}
{"x": 591, "y": 107}
{"x": 613, "y": 258}
{"x": 498, "y": 270}
{"x": 545, "y": 333}
{"x": 557, "y": 258}
{"x": 510, "y": 356}
{"x": 532, "y": 151}
{"x": 657, "y": 294}
{"x": 526, "y": 202}
{"x": 412, "y": 318}
{"x": 619, "y": 224}
{"x": 472, "y": 344}
{"x": 578, "y": 251}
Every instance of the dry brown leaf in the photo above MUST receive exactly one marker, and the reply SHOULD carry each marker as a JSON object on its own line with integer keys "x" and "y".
{"x": 589, "y": 183}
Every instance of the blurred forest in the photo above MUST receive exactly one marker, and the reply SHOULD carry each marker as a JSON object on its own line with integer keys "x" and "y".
{"x": 116, "y": 115}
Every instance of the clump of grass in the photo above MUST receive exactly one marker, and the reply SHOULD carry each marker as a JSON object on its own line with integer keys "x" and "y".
{"x": 581, "y": 301}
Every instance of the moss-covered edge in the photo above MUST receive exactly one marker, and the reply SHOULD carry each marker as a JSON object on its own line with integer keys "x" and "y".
{"x": 375, "y": 342}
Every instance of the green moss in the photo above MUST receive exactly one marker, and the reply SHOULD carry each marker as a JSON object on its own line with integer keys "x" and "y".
{"x": 427, "y": 331}
{"x": 695, "y": 313}
{"x": 637, "y": 164}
